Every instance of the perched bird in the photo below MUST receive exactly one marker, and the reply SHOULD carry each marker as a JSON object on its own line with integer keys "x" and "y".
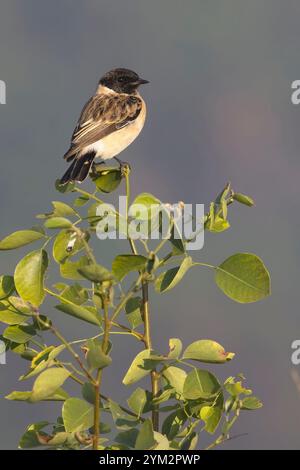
{"x": 108, "y": 123}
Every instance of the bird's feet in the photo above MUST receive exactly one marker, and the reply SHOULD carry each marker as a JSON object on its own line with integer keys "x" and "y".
{"x": 124, "y": 166}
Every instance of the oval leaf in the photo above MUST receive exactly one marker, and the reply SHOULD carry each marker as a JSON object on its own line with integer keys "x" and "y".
{"x": 244, "y": 278}
{"x": 29, "y": 277}
{"x": 48, "y": 382}
{"x": 66, "y": 244}
{"x": 137, "y": 369}
{"x": 95, "y": 273}
{"x": 20, "y": 238}
{"x": 7, "y": 286}
{"x": 79, "y": 312}
{"x": 200, "y": 384}
{"x": 123, "y": 264}
{"x": 69, "y": 269}
{"x": 19, "y": 334}
{"x": 206, "y": 350}
{"x": 58, "y": 222}
{"x": 95, "y": 357}
{"x": 108, "y": 180}
{"x": 176, "y": 378}
{"x": 169, "y": 279}
{"x": 78, "y": 415}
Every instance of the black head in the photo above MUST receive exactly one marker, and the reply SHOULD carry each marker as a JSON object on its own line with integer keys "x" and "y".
{"x": 122, "y": 81}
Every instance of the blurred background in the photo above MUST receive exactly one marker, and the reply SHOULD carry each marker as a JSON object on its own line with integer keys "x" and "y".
{"x": 219, "y": 109}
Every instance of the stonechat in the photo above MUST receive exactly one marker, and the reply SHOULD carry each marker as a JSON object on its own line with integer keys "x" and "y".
{"x": 109, "y": 122}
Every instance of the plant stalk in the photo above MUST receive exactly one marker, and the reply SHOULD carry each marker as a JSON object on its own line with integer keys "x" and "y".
{"x": 148, "y": 345}
{"x": 97, "y": 385}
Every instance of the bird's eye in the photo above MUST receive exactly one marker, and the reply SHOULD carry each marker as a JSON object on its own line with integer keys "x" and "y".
{"x": 121, "y": 79}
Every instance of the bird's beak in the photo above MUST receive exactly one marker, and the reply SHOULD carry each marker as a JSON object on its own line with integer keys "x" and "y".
{"x": 141, "y": 81}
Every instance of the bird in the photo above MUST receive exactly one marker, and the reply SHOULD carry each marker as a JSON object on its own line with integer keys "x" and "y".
{"x": 109, "y": 122}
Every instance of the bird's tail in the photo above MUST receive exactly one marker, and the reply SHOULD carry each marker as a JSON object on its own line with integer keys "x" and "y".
{"x": 79, "y": 169}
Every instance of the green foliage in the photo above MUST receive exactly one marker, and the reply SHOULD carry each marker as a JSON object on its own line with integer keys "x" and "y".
{"x": 29, "y": 277}
{"x": 243, "y": 277}
{"x": 187, "y": 400}
{"x": 77, "y": 414}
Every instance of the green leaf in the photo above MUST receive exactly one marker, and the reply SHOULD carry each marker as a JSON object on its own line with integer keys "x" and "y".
{"x": 137, "y": 369}
{"x": 42, "y": 360}
{"x": 150, "y": 203}
{"x": 124, "y": 264}
{"x": 95, "y": 357}
{"x": 145, "y": 439}
{"x": 251, "y": 403}
{"x": 76, "y": 294}
{"x": 163, "y": 397}
{"x": 172, "y": 277}
{"x": 127, "y": 438}
{"x": 61, "y": 209}
{"x": 18, "y": 396}
{"x": 7, "y": 286}
{"x": 223, "y": 194}
{"x": 80, "y": 312}
{"x": 81, "y": 201}
{"x": 19, "y": 334}
{"x": 78, "y": 415}
{"x": 64, "y": 188}
{"x": 20, "y": 306}
{"x": 190, "y": 442}
{"x": 173, "y": 423}
{"x": 175, "y": 346}
{"x": 217, "y": 225}
{"x": 69, "y": 269}
{"x": 244, "y": 278}
{"x": 59, "y": 395}
{"x": 236, "y": 388}
{"x": 209, "y": 351}
{"x": 58, "y": 222}
{"x": 11, "y": 316}
{"x": 30, "y": 437}
{"x": 66, "y": 244}
{"x": 48, "y": 382}
{"x": 243, "y": 199}
{"x": 162, "y": 442}
{"x": 177, "y": 243}
{"x": 176, "y": 378}
{"x": 108, "y": 179}
{"x": 133, "y": 311}
{"x": 137, "y": 401}
{"x": 88, "y": 392}
{"x": 200, "y": 383}
{"x": 20, "y": 238}
{"x": 121, "y": 419}
{"x": 212, "y": 415}
{"x": 95, "y": 273}
{"x": 29, "y": 277}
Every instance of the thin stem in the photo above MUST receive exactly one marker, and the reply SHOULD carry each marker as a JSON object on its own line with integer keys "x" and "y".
{"x": 89, "y": 195}
{"x": 146, "y": 318}
{"x": 97, "y": 411}
{"x": 127, "y": 182}
{"x": 129, "y": 294}
{"x": 128, "y": 331}
{"x": 68, "y": 347}
{"x": 206, "y": 265}
{"x": 148, "y": 344}
{"x": 97, "y": 385}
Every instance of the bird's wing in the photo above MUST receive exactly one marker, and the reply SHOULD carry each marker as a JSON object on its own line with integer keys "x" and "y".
{"x": 102, "y": 115}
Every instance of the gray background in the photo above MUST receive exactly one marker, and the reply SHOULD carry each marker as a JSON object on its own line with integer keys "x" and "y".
{"x": 219, "y": 109}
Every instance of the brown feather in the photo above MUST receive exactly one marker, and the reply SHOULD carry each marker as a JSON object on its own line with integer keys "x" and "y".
{"x": 102, "y": 115}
